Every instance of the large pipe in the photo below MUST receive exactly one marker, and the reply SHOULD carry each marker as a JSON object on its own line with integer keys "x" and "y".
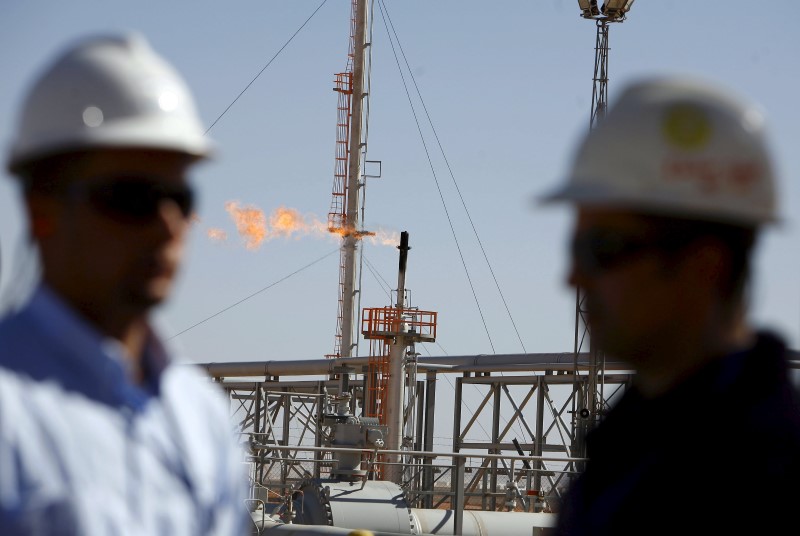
{"x": 397, "y": 370}
{"x": 482, "y": 523}
{"x": 267, "y": 528}
{"x": 430, "y": 522}
{"x": 337, "y": 508}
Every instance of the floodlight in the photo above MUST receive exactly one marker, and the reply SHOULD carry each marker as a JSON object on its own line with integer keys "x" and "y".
{"x": 616, "y": 8}
{"x": 588, "y": 8}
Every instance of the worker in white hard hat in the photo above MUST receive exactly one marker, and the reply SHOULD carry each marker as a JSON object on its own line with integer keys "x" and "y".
{"x": 101, "y": 432}
{"x": 671, "y": 191}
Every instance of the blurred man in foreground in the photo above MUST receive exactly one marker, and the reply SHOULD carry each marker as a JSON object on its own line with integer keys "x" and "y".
{"x": 671, "y": 191}
{"x": 100, "y": 433}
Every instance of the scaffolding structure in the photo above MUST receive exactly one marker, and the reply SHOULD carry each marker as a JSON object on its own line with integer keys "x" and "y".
{"x": 523, "y": 411}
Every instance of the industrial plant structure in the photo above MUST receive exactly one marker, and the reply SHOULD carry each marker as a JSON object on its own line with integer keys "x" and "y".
{"x": 347, "y": 442}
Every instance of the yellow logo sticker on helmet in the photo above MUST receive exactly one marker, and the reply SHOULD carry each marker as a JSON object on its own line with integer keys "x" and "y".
{"x": 686, "y": 126}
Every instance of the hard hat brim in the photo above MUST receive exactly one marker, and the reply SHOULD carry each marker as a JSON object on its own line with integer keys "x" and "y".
{"x": 135, "y": 133}
{"x": 591, "y": 193}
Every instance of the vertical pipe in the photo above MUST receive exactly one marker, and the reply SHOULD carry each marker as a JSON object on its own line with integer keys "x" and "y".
{"x": 419, "y": 428}
{"x": 484, "y": 488}
{"x": 457, "y": 417}
{"x": 350, "y": 240}
{"x": 495, "y": 442}
{"x": 458, "y": 497}
{"x": 365, "y": 383}
{"x": 420, "y": 408}
{"x": 397, "y": 368}
{"x": 430, "y": 404}
{"x": 257, "y": 430}
{"x": 538, "y": 445}
{"x": 318, "y": 456}
{"x": 457, "y": 485}
{"x": 287, "y": 417}
{"x": 401, "y": 270}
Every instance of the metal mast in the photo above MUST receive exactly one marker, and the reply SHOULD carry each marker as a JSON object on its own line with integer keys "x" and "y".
{"x": 588, "y": 401}
{"x": 350, "y": 152}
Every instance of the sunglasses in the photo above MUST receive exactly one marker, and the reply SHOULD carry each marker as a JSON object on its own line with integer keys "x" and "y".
{"x": 598, "y": 251}
{"x": 132, "y": 199}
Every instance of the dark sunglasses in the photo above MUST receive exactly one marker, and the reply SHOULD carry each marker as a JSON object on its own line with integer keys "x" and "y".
{"x": 132, "y": 199}
{"x": 598, "y": 251}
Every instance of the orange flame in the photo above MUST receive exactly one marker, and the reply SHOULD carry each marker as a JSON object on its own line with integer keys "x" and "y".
{"x": 251, "y": 223}
{"x": 286, "y": 222}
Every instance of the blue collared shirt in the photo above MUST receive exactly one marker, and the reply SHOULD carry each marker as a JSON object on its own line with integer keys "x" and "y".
{"x": 84, "y": 450}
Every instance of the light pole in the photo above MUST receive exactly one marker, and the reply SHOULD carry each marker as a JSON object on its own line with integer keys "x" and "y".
{"x": 587, "y": 397}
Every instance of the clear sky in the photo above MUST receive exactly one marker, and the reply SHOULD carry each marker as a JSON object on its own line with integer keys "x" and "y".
{"x": 507, "y": 86}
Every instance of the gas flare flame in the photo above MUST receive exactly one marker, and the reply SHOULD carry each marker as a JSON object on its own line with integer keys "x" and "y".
{"x": 255, "y": 228}
{"x": 288, "y": 222}
{"x": 250, "y": 223}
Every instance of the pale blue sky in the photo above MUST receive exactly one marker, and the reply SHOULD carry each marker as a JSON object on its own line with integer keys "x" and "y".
{"x": 508, "y": 87}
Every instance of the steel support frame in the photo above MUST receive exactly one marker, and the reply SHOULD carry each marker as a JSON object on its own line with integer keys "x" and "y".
{"x": 269, "y": 412}
{"x": 539, "y": 436}
{"x": 537, "y": 404}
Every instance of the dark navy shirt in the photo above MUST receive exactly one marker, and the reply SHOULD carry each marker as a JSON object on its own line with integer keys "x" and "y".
{"x": 720, "y": 454}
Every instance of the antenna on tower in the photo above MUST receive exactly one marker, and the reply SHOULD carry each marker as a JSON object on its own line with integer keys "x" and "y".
{"x": 587, "y": 400}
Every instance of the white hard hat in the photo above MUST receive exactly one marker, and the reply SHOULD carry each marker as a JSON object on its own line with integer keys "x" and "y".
{"x": 677, "y": 147}
{"x": 108, "y": 91}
